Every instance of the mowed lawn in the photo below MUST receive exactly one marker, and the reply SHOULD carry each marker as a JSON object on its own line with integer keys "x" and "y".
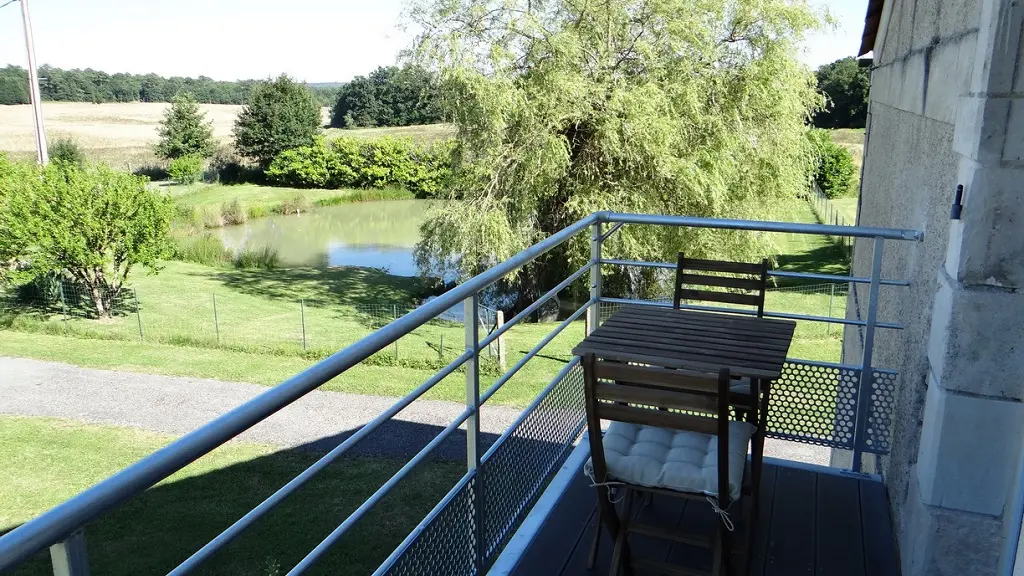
{"x": 47, "y": 461}
{"x": 255, "y": 198}
{"x": 256, "y": 332}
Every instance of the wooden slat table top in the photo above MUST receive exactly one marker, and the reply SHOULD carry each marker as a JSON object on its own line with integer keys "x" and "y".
{"x": 747, "y": 346}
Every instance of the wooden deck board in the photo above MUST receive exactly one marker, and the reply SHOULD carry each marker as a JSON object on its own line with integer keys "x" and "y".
{"x": 810, "y": 523}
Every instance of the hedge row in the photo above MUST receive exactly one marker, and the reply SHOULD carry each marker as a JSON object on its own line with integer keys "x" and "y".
{"x": 834, "y": 170}
{"x": 351, "y": 163}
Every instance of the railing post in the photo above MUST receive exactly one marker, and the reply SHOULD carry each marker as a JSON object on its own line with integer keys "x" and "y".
{"x": 866, "y": 377}
{"x": 472, "y": 327}
{"x": 69, "y": 557}
{"x": 594, "y": 314}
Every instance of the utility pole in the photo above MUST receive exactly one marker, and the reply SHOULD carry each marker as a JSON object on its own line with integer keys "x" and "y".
{"x": 33, "y": 80}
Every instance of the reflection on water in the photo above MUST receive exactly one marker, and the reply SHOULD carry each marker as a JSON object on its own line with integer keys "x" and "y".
{"x": 373, "y": 234}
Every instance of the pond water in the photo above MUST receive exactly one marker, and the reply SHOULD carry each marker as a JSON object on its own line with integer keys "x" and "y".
{"x": 372, "y": 234}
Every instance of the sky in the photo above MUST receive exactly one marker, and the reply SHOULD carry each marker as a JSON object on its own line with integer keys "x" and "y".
{"x": 311, "y": 40}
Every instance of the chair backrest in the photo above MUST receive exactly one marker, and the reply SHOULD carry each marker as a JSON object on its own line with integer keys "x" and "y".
{"x": 745, "y": 283}
{"x": 647, "y": 399}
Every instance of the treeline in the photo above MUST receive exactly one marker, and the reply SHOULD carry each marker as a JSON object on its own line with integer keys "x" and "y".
{"x": 389, "y": 96}
{"x": 91, "y": 85}
{"x": 845, "y": 85}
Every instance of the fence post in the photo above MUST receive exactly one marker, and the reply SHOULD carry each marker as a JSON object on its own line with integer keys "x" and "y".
{"x": 216, "y": 320}
{"x": 499, "y": 320}
{"x": 394, "y": 316}
{"x": 472, "y": 338}
{"x": 440, "y": 350}
{"x": 831, "y": 296}
{"x": 866, "y": 372}
{"x": 302, "y": 318}
{"x": 138, "y": 312}
{"x": 69, "y": 557}
{"x": 64, "y": 306}
{"x": 595, "y": 277}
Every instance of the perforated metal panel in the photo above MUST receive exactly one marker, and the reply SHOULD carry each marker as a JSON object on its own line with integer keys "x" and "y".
{"x": 815, "y": 403}
{"x": 883, "y": 396}
{"x": 522, "y": 464}
{"x": 447, "y": 545}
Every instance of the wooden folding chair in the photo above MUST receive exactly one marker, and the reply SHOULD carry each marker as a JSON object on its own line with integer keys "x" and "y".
{"x": 739, "y": 283}
{"x": 653, "y": 446}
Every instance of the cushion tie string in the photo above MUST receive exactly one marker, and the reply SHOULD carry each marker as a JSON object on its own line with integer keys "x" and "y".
{"x": 722, "y": 513}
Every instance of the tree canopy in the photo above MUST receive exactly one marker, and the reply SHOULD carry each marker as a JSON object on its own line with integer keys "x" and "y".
{"x": 96, "y": 86}
{"x": 845, "y": 86}
{"x": 184, "y": 131}
{"x": 565, "y": 107}
{"x": 94, "y": 224}
{"x": 279, "y": 115}
{"x": 389, "y": 96}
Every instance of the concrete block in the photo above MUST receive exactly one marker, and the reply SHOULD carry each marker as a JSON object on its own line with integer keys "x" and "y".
{"x": 999, "y": 43}
{"x": 926, "y": 23}
{"x": 911, "y": 97}
{"x": 943, "y": 91}
{"x": 966, "y": 49}
{"x": 940, "y": 542}
{"x": 969, "y": 450}
{"x": 981, "y": 128}
{"x": 976, "y": 342}
{"x": 1013, "y": 149}
{"x": 957, "y": 17}
{"x": 988, "y": 243}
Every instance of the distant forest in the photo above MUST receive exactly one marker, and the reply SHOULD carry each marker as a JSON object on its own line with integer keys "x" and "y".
{"x": 94, "y": 86}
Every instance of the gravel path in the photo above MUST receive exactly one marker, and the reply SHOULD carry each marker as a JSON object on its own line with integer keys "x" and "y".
{"x": 176, "y": 405}
{"x": 318, "y": 422}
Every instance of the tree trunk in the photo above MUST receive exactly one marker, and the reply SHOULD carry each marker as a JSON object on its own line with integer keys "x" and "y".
{"x": 102, "y": 310}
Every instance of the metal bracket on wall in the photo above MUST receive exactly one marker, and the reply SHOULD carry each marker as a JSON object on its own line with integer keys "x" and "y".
{"x": 954, "y": 212}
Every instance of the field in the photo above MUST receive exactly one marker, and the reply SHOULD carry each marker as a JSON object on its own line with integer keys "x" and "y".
{"x": 47, "y": 461}
{"x": 123, "y": 134}
{"x": 853, "y": 140}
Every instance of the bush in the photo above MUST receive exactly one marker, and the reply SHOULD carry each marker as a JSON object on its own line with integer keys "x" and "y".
{"x": 151, "y": 171}
{"x": 366, "y": 196}
{"x": 257, "y": 211}
{"x": 227, "y": 167}
{"x": 184, "y": 130}
{"x": 233, "y": 212}
{"x": 206, "y": 249}
{"x": 186, "y": 169}
{"x": 380, "y": 163}
{"x": 279, "y": 115}
{"x": 296, "y": 205}
{"x": 264, "y": 258}
{"x": 211, "y": 218}
{"x": 834, "y": 169}
{"x": 67, "y": 151}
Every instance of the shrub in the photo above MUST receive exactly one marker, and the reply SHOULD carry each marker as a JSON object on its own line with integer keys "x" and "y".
{"x": 227, "y": 167}
{"x": 206, "y": 249}
{"x": 366, "y": 196}
{"x": 67, "y": 151}
{"x": 151, "y": 171}
{"x": 295, "y": 205}
{"x": 263, "y": 258}
{"x": 380, "y": 163}
{"x": 184, "y": 130}
{"x": 186, "y": 169}
{"x": 834, "y": 169}
{"x": 233, "y": 212}
{"x": 211, "y": 218}
{"x": 305, "y": 166}
{"x": 258, "y": 211}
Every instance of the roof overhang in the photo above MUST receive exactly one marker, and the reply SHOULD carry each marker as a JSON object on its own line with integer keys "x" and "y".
{"x": 871, "y": 23}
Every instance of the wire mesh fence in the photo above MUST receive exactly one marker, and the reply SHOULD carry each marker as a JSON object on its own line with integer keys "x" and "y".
{"x": 313, "y": 328}
{"x": 828, "y": 213}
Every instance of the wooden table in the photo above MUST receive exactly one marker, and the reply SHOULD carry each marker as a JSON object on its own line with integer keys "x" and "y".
{"x": 748, "y": 346}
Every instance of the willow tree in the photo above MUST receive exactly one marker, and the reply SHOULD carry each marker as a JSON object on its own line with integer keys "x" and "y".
{"x": 566, "y": 107}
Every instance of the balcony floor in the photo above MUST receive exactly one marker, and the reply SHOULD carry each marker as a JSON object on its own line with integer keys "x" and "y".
{"x": 812, "y": 521}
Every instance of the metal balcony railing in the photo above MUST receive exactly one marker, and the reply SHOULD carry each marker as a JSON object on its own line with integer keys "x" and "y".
{"x": 468, "y": 528}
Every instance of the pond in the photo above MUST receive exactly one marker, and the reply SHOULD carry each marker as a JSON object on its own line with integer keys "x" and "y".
{"x": 372, "y": 234}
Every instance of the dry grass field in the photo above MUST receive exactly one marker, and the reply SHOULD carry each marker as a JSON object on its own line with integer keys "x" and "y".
{"x": 123, "y": 134}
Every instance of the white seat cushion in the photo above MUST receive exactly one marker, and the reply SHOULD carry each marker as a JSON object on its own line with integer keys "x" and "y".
{"x": 673, "y": 459}
{"x": 740, "y": 386}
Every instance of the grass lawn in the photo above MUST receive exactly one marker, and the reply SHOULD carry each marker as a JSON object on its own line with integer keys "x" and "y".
{"x": 847, "y": 207}
{"x": 46, "y": 461}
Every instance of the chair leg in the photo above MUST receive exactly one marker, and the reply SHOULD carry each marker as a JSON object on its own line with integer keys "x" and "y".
{"x": 725, "y": 551}
{"x": 620, "y": 553}
{"x": 597, "y": 537}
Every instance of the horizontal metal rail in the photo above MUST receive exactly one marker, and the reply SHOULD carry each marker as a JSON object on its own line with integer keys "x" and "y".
{"x": 762, "y": 226}
{"x": 773, "y": 273}
{"x": 767, "y": 314}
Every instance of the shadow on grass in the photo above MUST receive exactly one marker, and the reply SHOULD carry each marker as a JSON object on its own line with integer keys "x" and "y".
{"x": 152, "y": 533}
{"x": 825, "y": 259}
{"x": 350, "y": 286}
